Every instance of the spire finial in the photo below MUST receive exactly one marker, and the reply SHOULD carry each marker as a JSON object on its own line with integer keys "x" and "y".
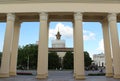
{"x": 58, "y": 36}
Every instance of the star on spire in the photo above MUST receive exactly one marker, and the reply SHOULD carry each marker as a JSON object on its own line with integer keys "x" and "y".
{"x": 58, "y": 35}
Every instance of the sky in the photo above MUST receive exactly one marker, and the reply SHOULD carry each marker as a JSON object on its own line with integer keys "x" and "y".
{"x": 92, "y": 34}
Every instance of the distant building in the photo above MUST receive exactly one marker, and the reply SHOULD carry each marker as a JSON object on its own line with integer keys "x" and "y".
{"x": 58, "y": 43}
{"x": 99, "y": 59}
{"x": 58, "y": 46}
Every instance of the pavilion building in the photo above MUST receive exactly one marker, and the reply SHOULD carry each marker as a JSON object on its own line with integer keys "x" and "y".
{"x": 60, "y": 44}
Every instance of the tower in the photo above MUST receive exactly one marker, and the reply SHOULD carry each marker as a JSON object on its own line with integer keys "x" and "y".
{"x": 58, "y": 43}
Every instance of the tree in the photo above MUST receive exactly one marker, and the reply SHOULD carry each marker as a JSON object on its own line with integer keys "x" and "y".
{"x": 87, "y": 59}
{"x": 68, "y": 60}
{"x": 22, "y": 61}
{"x": 53, "y": 60}
{"x": 27, "y": 56}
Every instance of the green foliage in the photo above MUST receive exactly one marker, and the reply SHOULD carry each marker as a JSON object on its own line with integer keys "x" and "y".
{"x": 30, "y": 53}
{"x": 27, "y": 53}
{"x": 87, "y": 59}
{"x": 96, "y": 74}
{"x": 24, "y": 73}
{"x": 68, "y": 60}
{"x": 53, "y": 60}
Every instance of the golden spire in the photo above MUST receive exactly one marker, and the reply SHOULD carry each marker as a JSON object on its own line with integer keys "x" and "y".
{"x": 58, "y": 36}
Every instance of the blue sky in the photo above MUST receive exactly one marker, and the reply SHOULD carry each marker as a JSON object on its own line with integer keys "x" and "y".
{"x": 92, "y": 34}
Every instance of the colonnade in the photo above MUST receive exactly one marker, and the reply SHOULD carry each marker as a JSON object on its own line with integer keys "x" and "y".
{"x": 111, "y": 45}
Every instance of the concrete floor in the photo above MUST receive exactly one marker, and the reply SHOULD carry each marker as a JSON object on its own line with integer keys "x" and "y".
{"x": 58, "y": 76}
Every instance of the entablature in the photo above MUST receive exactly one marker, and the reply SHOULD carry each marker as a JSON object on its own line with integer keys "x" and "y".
{"x": 59, "y": 16}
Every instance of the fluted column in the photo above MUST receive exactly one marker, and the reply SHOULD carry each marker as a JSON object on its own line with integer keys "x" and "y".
{"x": 115, "y": 44}
{"x": 79, "y": 54}
{"x": 14, "y": 52}
{"x": 107, "y": 48}
{"x": 4, "y": 72}
{"x": 43, "y": 47}
{"x": 74, "y": 51}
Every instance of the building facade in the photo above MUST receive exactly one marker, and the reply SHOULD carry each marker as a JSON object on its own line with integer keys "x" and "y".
{"x": 14, "y": 12}
{"x": 99, "y": 59}
{"x": 58, "y": 43}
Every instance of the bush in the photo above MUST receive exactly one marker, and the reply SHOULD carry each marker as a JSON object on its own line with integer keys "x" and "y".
{"x": 24, "y": 73}
{"x": 96, "y": 74}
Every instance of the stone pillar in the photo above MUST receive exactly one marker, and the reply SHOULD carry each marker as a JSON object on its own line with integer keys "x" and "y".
{"x": 115, "y": 44}
{"x": 79, "y": 54}
{"x": 14, "y": 52}
{"x": 43, "y": 47}
{"x": 4, "y": 72}
{"x": 47, "y": 49}
{"x": 74, "y": 51}
{"x": 107, "y": 48}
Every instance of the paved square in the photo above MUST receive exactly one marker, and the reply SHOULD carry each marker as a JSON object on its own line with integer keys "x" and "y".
{"x": 58, "y": 76}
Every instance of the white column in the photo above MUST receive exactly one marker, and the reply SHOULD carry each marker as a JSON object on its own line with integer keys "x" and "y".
{"x": 107, "y": 48}
{"x": 115, "y": 44}
{"x": 79, "y": 53}
{"x": 4, "y": 72}
{"x": 14, "y": 54}
{"x": 47, "y": 49}
{"x": 74, "y": 51}
{"x": 43, "y": 47}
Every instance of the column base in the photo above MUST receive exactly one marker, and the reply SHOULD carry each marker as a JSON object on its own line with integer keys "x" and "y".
{"x": 41, "y": 76}
{"x": 117, "y": 76}
{"x": 74, "y": 75}
{"x": 80, "y": 77}
{"x": 46, "y": 74}
{"x": 4, "y": 75}
{"x": 12, "y": 73}
{"x": 109, "y": 75}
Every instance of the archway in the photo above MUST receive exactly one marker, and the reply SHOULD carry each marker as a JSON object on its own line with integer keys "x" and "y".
{"x": 60, "y": 46}
{"x": 28, "y": 48}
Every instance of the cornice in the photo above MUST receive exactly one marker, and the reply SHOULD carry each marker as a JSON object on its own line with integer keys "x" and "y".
{"x": 58, "y": 1}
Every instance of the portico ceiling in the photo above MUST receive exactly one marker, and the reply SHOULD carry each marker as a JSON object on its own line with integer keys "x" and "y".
{"x": 54, "y": 1}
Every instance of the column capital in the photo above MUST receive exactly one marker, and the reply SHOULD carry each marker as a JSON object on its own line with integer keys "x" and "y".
{"x": 43, "y": 16}
{"x": 78, "y": 16}
{"x": 112, "y": 17}
{"x": 10, "y": 17}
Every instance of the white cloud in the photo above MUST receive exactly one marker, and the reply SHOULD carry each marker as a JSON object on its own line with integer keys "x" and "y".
{"x": 101, "y": 46}
{"x": 67, "y": 32}
{"x": 88, "y": 35}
